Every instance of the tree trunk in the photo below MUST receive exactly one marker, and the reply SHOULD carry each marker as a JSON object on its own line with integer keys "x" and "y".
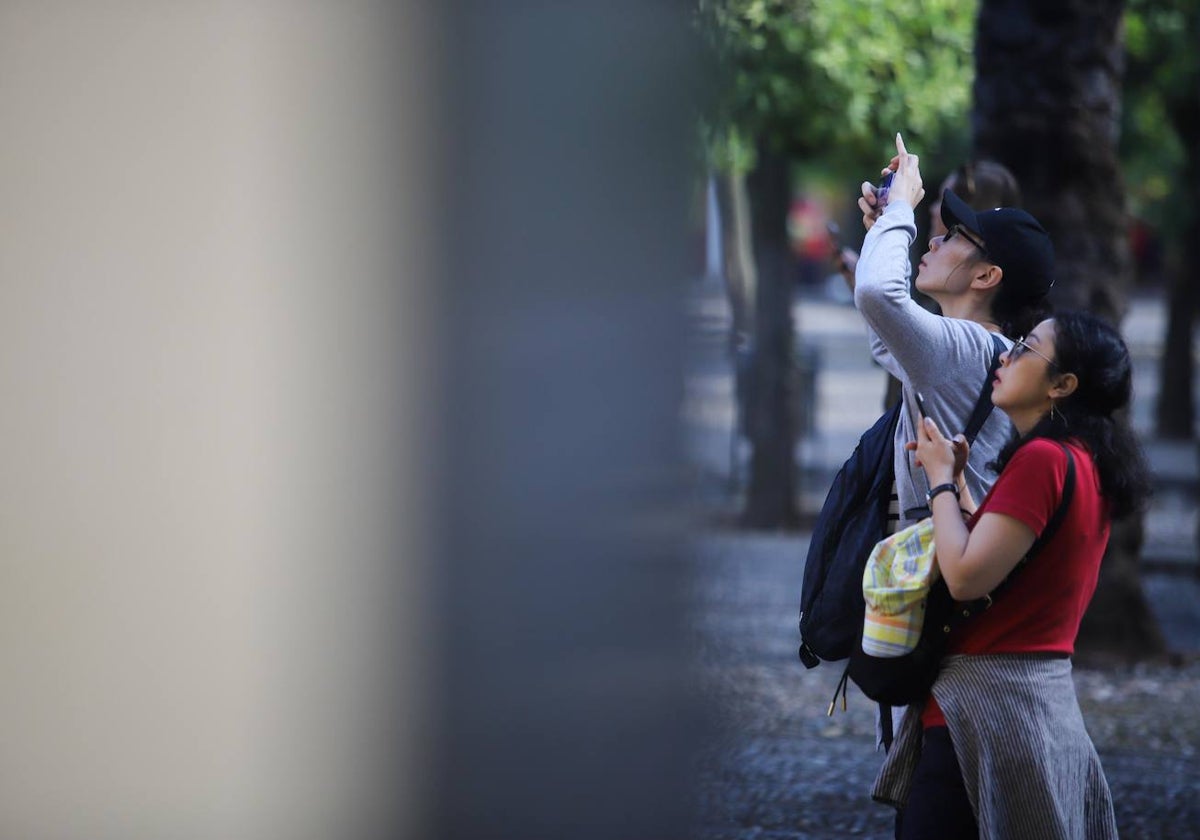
{"x": 771, "y": 496}
{"x": 1176, "y": 401}
{"x": 1175, "y": 411}
{"x": 737, "y": 250}
{"x": 1047, "y": 105}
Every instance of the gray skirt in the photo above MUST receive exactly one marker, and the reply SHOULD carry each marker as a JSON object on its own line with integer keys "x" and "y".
{"x": 1028, "y": 764}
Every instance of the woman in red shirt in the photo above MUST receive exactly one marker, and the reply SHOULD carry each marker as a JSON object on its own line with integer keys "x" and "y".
{"x": 999, "y": 749}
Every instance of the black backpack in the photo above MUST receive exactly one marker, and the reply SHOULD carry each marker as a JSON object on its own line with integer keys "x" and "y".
{"x": 852, "y": 519}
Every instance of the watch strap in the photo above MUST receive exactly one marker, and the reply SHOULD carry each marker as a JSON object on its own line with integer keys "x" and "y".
{"x": 948, "y": 487}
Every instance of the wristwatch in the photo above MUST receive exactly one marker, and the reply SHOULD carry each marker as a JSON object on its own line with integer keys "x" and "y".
{"x": 948, "y": 487}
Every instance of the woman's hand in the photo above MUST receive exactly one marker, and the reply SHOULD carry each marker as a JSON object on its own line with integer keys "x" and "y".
{"x": 869, "y": 205}
{"x": 907, "y": 183}
{"x": 943, "y": 459}
{"x": 961, "y": 450}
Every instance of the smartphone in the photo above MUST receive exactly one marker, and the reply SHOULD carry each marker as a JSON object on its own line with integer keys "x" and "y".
{"x": 835, "y": 235}
{"x": 881, "y": 191}
{"x": 920, "y": 404}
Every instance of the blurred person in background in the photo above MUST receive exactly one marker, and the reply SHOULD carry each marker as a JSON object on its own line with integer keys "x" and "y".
{"x": 982, "y": 184}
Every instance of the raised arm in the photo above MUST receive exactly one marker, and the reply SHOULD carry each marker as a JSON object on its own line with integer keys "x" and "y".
{"x": 911, "y": 334}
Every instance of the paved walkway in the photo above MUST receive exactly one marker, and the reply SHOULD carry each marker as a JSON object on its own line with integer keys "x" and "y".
{"x": 782, "y": 769}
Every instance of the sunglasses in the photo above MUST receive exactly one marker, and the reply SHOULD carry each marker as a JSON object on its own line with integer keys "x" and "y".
{"x": 959, "y": 230}
{"x": 1020, "y": 348}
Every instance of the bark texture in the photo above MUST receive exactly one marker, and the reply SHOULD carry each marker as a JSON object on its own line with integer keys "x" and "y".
{"x": 1176, "y": 400}
{"x": 771, "y": 495}
{"x": 1047, "y": 105}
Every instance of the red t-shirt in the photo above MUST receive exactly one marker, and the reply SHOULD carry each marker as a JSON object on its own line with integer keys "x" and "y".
{"x": 1041, "y": 611}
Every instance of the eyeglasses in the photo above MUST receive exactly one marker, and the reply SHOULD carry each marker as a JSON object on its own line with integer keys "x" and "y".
{"x": 959, "y": 230}
{"x": 1019, "y": 349}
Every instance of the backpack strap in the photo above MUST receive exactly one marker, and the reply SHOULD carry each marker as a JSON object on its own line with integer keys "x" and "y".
{"x": 983, "y": 406}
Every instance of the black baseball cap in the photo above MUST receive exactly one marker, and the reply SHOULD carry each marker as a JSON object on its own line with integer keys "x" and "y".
{"x": 1014, "y": 240}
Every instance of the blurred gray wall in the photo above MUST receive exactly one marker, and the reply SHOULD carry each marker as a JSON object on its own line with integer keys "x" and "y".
{"x": 565, "y": 709}
{"x": 339, "y": 347}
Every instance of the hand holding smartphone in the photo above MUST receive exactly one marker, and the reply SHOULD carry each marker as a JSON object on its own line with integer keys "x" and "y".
{"x": 958, "y": 443}
{"x": 883, "y": 189}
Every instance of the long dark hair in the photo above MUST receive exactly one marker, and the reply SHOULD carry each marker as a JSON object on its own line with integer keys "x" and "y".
{"x": 1016, "y": 315}
{"x": 1094, "y": 412}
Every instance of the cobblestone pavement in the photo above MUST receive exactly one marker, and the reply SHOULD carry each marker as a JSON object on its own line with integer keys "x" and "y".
{"x": 781, "y": 769}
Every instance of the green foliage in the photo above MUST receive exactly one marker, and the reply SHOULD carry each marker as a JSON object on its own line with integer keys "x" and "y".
{"x": 1162, "y": 93}
{"x": 835, "y": 80}
{"x": 727, "y": 149}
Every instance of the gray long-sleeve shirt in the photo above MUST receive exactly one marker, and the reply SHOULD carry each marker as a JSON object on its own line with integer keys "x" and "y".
{"x": 946, "y": 360}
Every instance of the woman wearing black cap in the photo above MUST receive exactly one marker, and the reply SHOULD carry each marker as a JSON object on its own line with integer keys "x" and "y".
{"x": 989, "y": 274}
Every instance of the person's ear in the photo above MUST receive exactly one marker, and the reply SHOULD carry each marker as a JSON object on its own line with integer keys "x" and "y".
{"x": 987, "y": 276}
{"x": 1064, "y": 386}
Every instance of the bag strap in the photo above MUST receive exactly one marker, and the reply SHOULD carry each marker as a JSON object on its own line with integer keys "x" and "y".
{"x": 964, "y": 611}
{"x": 983, "y": 406}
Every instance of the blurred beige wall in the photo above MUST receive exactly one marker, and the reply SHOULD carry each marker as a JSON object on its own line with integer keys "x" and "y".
{"x": 211, "y": 393}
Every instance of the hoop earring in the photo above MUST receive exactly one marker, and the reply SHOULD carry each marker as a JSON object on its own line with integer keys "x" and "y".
{"x": 1056, "y": 416}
